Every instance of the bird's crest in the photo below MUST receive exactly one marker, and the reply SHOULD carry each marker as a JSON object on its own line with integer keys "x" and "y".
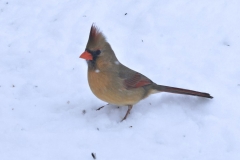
{"x": 96, "y": 38}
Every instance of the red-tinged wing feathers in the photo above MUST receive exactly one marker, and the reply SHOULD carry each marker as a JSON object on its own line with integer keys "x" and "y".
{"x": 137, "y": 80}
{"x": 142, "y": 83}
{"x": 132, "y": 79}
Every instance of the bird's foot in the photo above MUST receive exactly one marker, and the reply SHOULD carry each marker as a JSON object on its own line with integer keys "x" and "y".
{"x": 128, "y": 112}
{"x": 101, "y": 107}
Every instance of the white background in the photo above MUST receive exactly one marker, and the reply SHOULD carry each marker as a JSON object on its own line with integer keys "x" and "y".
{"x": 48, "y": 112}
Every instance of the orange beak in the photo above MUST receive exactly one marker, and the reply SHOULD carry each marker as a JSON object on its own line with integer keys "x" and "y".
{"x": 86, "y": 55}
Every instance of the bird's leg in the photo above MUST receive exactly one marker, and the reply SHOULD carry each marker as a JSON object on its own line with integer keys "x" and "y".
{"x": 101, "y": 107}
{"x": 128, "y": 111}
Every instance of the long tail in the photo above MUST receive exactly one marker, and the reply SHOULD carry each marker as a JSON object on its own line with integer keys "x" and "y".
{"x": 181, "y": 91}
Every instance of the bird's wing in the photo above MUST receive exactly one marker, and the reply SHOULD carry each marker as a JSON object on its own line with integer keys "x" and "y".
{"x": 133, "y": 79}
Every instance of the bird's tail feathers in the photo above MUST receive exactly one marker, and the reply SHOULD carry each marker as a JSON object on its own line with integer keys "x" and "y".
{"x": 181, "y": 91}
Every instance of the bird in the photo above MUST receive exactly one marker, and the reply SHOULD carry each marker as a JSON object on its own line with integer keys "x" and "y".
{"x": 116, "y": 84}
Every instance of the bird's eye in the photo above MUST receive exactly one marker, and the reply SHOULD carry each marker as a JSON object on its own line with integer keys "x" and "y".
{"x": 98, "y": 52}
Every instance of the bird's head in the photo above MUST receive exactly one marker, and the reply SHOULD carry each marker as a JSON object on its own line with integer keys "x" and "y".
{"x": 98, "y": 50}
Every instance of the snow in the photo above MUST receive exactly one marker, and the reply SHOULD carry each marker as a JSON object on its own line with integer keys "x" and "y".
{"x": 48, "y": 111}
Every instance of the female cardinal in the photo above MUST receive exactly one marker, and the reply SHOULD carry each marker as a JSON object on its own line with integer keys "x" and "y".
{"x": 115, "y": 83}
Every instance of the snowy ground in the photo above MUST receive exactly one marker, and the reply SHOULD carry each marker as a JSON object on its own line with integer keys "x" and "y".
{"x": 47, "y": 110}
